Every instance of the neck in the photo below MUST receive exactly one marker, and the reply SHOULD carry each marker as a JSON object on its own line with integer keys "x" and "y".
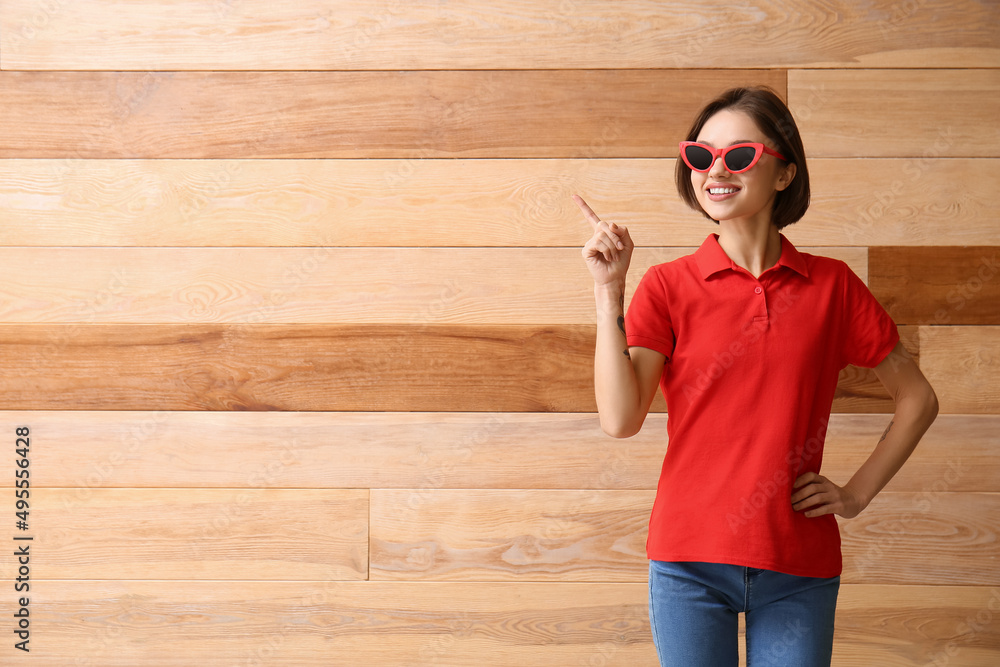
{"x": 756, "y": 248}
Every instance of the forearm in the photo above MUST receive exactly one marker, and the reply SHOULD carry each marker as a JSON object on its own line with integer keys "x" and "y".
{"x": 913, "y": 416}
{"x": 615, "y": 383}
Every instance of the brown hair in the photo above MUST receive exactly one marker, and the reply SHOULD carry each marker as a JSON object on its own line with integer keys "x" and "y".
{"x": 774, "y": 119}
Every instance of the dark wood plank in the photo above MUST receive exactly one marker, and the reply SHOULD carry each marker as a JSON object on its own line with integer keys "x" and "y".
{"x": 392, "y": 34}
{"x": 937, "y": 285}
{"x": 297, "y": 367}
{"x": 579, "y": 114}
{"x": 498, "y": 368}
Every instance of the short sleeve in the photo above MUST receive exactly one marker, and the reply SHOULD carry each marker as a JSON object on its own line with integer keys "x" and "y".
{"x": 869, "y": 333}
{"x": 647, "y": 322}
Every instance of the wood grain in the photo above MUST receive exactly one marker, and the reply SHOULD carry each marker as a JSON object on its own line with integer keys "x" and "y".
{"x": 962, "y": 363}
{"x": 932, "y": 202}
{"x": 516, "y": 535}
{"x": 934, "y": 537}
{"x": 469, "y": 368}
{"x": 492, "y": 114}
{"x": 324, "y": 285}
{"x": 937, "y": 285}
{"x": 427, "y": 451}
{"x": 297, "y": 367}
{"x": 390, "y": 35}
{"x": 207, "y": 534}
{"x": 124, "y": 623}
{"x": 475, "y": 203}
{"x": 918, "y": 114}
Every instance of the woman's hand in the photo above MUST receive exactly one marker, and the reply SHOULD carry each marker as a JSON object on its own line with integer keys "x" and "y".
{"x": 609, "y": 250}
{"x": 820, "y": 496}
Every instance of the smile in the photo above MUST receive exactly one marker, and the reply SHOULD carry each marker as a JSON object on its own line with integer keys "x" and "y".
{"x": 722, "y": 191}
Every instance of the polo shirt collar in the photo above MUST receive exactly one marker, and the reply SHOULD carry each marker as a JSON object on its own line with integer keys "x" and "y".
{"x": 711, "y": 258}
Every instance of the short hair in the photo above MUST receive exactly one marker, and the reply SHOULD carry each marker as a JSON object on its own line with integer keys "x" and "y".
{"x": 774, "y": 119}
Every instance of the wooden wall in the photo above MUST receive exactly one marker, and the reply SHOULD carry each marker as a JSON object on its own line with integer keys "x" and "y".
{"x": 291, "y": 300}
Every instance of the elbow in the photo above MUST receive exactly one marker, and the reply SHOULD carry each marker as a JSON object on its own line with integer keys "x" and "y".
{"x": 931, "y": 405}
{"x": 620, "y": 428}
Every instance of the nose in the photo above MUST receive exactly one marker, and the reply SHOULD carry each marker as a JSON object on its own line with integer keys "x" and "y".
{"x": 718, "y": 167}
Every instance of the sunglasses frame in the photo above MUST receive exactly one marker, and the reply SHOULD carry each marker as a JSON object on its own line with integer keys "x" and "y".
{"x": 759, "y": 150}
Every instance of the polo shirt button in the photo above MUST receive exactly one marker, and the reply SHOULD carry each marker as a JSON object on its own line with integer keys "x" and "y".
{"x": 757, "y": 289}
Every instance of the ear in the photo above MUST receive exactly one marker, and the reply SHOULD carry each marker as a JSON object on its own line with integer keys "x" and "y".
{"x": 785, "y": 177}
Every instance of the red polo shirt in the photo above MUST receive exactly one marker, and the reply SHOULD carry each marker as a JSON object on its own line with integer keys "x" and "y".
{"x": 752, "y": 367}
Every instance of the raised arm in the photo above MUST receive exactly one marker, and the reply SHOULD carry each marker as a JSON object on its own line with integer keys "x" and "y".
{"x": 625, "y": 379}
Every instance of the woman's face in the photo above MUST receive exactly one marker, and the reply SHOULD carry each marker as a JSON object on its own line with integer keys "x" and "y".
{"x": 749, "y": 195}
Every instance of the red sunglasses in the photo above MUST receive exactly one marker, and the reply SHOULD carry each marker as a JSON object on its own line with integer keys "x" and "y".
{"x": 737, "y": 158}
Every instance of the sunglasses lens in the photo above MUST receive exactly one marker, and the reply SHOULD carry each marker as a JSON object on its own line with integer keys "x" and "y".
{"x": 698, "y": 158}
{"x": 740, "y": 158}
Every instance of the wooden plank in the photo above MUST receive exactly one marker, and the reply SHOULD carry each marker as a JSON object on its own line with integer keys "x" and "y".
{"x": 197, "y": 534}
{"x": 509, "y": 535}
{"x": 934, "y": 537}
{"x": 469, "y": 368}
{"x": 918, "y": 114}
{"x": 388, "y": 114}
{"x": 297, "y": 367}
{"x": 925, "y": 202}
{"x": 423, "y": 451}
{"x": 963, "y": 366}
{"x": 937, "y": 285}
{"x": 428, "y": 451}
{"x": 460, "y": 202}
{"x": 124, "y": 623}
{"x": 323, "y": 285}
{"x": 389, "y": 34}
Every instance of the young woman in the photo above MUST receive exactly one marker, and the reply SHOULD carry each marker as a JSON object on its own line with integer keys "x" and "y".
{"x": 746, "y": 337}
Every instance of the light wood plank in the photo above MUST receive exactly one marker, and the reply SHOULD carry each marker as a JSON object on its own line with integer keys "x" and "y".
{"x": 390, "y": 34}
{"x": 937, "y": 285}
{"x": 962, "y": 363}
{"x": 935, "y": 537}
{"x": 126, "y": 623}
{"x": 501, "y": 368}
{"x": 477, "y": 203}
{"x": 918, "y": 114}
{"x": 324, "y": 285}
{"x": 427, "y": 451}
{"x": 900, "y": 202}
{"x": 197, "y": 533}
{"x": 423, "y": 451}
{"x": 120, "y": 624}
{"x": 522, "y": 535}
{"x": 492, "y": 114}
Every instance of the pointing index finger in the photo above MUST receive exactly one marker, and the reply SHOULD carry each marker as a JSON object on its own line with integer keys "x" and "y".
{"x": 587, "y": 211}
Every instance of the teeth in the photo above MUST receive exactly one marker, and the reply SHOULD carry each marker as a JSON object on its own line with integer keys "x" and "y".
{"x": 722, "y": 191}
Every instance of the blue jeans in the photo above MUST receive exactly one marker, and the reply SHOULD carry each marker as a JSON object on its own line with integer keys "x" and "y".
{"x": 694, "y": 613}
